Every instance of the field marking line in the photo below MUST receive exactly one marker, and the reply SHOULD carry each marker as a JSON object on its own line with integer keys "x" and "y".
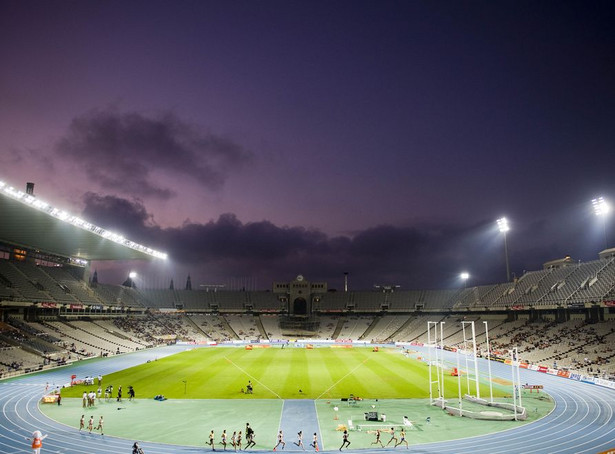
{"x": 351, "y": 372}
{"x": 253, "y": 378}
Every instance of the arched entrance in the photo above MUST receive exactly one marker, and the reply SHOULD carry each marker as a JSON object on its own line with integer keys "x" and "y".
{"x": 300, "y": 306}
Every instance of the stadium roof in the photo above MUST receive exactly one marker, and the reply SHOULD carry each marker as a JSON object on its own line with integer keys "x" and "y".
{"x": 30, "y": 223}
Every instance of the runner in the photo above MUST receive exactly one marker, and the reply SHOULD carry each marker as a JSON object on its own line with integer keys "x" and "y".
{"x": 223, "y": 439}
{"x": 402, "y": 438}
{"x": 378, "y": 440}
{"x": 280, "y": 441}
{"x": 299, "y": 441}
{"x": 100, "y": 425}
{"x": 211, "y": 440}
{"x": 345, "y": 441}
{"x": 393, "y": 437}
{"x": 314, "y": 443}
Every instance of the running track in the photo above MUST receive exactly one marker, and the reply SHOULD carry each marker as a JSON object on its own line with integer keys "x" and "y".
{"x": 582, "y": 421}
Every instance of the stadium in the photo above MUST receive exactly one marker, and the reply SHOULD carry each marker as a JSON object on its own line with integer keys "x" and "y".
{"x": 519, "y": 366}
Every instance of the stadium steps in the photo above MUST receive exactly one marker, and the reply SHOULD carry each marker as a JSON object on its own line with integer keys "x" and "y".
{"x": 64, "y": 334}
{"x": 399, "y": 330}
{"x": 229, "y": 328}
{"x": 120, "y": 335}
{"x": 338, "y": 328}
{"x": 23, "y": 345}
{"x": 261, "y": 328}
{"x": 424, "y": 333}
{"x": 197, "y": 327}
{"x": 587, "y": 344}
{"x": 578, "y": 289}
{"x": 370, "y": 328}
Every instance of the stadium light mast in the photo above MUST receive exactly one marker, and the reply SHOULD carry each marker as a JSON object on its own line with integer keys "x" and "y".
{"x": 601, "y": 209}
{"x": 504, "y": 228}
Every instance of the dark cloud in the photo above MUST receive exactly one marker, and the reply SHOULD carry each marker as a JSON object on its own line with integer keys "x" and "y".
{"x": 127, "y": 151}
{"x": 415, "y": 257}
{"x": 408, "y": 256}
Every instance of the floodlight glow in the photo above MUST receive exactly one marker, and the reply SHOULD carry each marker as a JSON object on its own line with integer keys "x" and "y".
{"x": 601, "y": 206}
{"x": 132, "y": 275}
{"x": 503, "y": 225}
{"x": 31, "y": 201}
{"x": 465, "y": 276}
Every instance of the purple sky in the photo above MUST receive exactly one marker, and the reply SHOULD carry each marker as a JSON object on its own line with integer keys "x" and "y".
{"x": 254, "y": 141}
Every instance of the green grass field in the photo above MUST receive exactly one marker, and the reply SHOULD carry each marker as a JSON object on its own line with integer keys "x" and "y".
{"x": 276, "y": 373}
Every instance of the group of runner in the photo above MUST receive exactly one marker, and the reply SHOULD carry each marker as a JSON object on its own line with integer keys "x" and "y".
{"x": 91, "y": 424}
{"x": 236, "y": 440}
{"x": 299, "y": 441}
{"x": 396, "y": 442}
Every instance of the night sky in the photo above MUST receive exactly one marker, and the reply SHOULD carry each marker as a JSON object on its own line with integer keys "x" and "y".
{"x": 257, "y": 140}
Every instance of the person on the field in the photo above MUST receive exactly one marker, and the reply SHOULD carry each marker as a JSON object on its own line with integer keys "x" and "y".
{"x": 345, "y": 440}
{"x": 314, "y": 443}
{"x": 280, "y": 440}
{"x": 136, "y": 449}
{"x": 299, "y": 441}
{"x": 234, "y": 440}
{"x": 100, "y": 426}
{"x": 378, "y": 441}
{"x": 82, "y": 422}
{"x": 223, "y": 439}
{"x": 212, "y": 440}
{"x": 402, "y": 439}
{"x": 249, "y": 436}
{"x": 37, "y": 441}
{"x": 238, "y": 441}
{"x": 393, "y": 437}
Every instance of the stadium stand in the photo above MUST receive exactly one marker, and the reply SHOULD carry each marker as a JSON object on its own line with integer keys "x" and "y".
{"x": 51, "y": 311}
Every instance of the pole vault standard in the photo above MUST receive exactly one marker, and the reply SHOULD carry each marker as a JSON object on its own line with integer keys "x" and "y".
{"x": 442, "y": 360}
{"x": 516, "y": 379}
{"x": 460, "y": 397}
{"x": 470, "y": 338}
{"x": 489, "y": 360}
{"x": 434, "y": 360}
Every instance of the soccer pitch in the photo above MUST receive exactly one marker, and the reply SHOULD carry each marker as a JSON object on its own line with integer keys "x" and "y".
{"x": 279, "y": 373}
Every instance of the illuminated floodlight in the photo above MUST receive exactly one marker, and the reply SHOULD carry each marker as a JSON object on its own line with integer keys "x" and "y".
{"x": 601, "y": 206}
{"x": 503, "y": 225}
{"x": 132, "y": 275}
{"x": 465, "y": 276}
{"x": 34, "y": 202}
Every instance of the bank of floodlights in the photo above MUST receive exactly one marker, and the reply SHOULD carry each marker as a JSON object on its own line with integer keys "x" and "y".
{"x": 503, "y": 225}
{"x": 601, "y": 209}
{"x": 34, "y": 202}
{"x": 601, "y": 206}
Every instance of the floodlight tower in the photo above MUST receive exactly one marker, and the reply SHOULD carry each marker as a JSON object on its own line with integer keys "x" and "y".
{"x": 503, "y": 227}
{"x": 602, "y": 208}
